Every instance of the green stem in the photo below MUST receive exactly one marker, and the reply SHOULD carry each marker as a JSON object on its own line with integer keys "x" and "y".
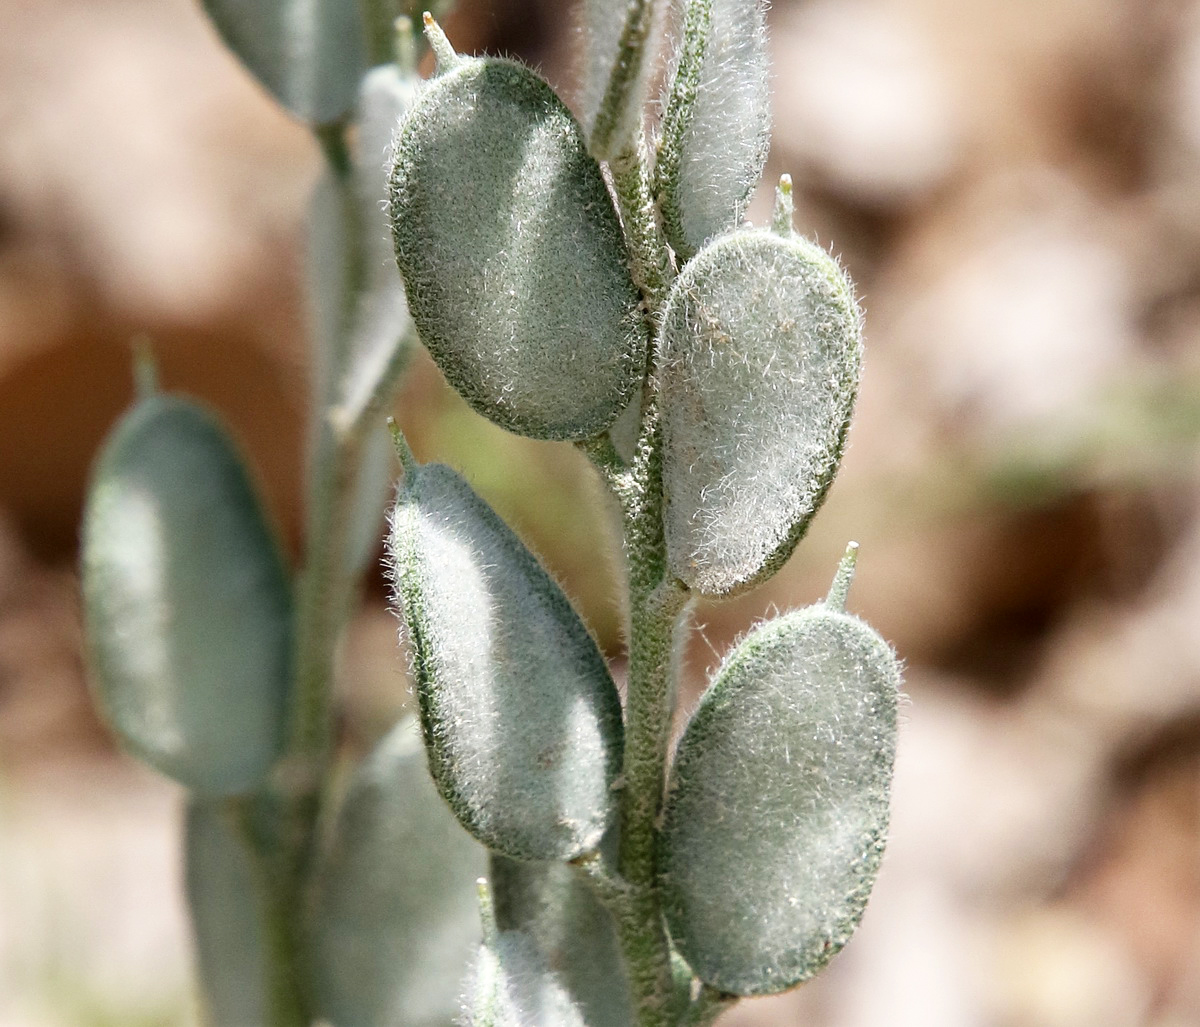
{"x": 650, "y": 259}
{"x": 286, "y": 816}
{"x": 621, "y": 107}
{"x": 277, "y": 887}
{"x": 648, "y": 713}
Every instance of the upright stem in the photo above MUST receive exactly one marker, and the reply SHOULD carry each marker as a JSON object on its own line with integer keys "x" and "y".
{"x": 285, "y": 818}
{"x": 656, "y": 600}
{"x": 651, "y": 261}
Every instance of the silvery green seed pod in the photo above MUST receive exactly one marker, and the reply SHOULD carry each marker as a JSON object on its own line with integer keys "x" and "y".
{"x": 717, "y": 124}
{"x": 762, "y": 346}
{"x": 572, "y": 930}
{"x": 512, "y": 255}
{"x": 223, "y": 902}
{"x": 308, "y": 53}
{"x": 778, "y": 803}
{"x": 186, "y": 600}
{"x": 522, "y": 720}
{"x": 396, "y": 919}
{"x": 511, "y": 986}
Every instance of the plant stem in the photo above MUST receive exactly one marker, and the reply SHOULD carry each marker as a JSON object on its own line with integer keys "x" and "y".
{"x": 650, "y": 259}
{"x": 621, "y": 106}
{"x": 656, "y": 600}
{"x": 647, "y": 735}
{"x": 287, "y": 815}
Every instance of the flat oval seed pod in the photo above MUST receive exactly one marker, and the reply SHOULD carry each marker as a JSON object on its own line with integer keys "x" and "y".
{"x": 186, "y": 601}
{"x": 761, "y": 352}
{"x": 309, "y": 54}
{"x": 778, "y": 804}
{"x": 512, "y": 255}
{"x": 522, "y": 720}
{"x": 717, "y": 125}
{"x": 380, "y": 335}
{"x": 396, "y": 921}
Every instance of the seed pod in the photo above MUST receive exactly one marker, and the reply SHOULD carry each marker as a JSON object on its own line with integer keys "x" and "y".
{"x": 309, "y": 53}
{"x": 512, "y": 255}
{"x": 396, "y": 921}
{"x": 380, "y": 335}
{"x": 717, "y": 125}
{"x": 522, "y": 721}
{"x": 778, "y": 803}
{"x": 511, "y": 986}
{"x": 186, "y": 601}
{"x": 223, "y": 905}
{"x": 761, "y": 351}
{"x": 572, "y": 930}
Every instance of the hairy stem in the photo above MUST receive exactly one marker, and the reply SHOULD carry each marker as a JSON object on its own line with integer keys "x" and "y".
{"x": 656, "y": 601}
{"x": 650, "y": 260}
{"x": 620, "y": 108}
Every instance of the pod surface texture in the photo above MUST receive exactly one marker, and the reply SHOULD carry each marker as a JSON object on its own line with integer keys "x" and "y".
{"x": 761, "y": 354}
{"x": 187, "y": 601}
{"x": 512, "y": 255}
{"x": 522, "y": 720}
{"x": 778, "y": 805}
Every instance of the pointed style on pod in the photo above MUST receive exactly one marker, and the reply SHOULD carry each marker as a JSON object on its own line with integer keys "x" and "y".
{"x": 778, "y": 804}
{"x": 186, "y": 600}
{"x": 717, "y": 122}
{"x": 762, "y": 347}
{"x": 522, "y": 721}
{"x": 511, "y": 251}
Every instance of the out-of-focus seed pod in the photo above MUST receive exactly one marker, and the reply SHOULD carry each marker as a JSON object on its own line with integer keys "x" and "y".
{"x": 309, "y": 54}
{"x": 511, "y": 986}
{"x": 511, "y": 253}
{"x": 186, "y": 601}
{"x": 717, "y": 124}
{"x": 761, "y": 341}
{"x": 778, "y": 804}
{"x": 572, "y": 930}
{"x": 522, "y": 721}
{"x": 224, "y": 904}
{"x": 396, "y": 922}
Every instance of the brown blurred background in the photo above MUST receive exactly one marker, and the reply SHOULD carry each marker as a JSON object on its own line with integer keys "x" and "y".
{"x": 1015, "y": 186}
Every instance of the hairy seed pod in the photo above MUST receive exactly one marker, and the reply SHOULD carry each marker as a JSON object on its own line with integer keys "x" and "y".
{"x": 512, "y": 986}
{"x": 186, "y": 601}
{"x": 778, "y": 802}
{"x": 512, "y": 255}
{"x": 395, "y": 928}
{"x": 572, "y": 930}
{"x": 717, "y": 125}
{"x": 761, "y": 352}
{"x": 522, "y": 720}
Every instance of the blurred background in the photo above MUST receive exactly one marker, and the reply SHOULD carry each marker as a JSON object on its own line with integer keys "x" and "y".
{"x": 1014, "y": 185}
